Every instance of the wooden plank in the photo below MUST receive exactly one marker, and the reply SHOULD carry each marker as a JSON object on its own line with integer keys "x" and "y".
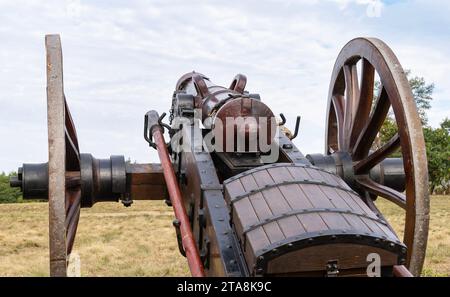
{"x": 148, "y": 192}
{"x": 243, "y": 214}
{"x": 289, "y": 225}
{"x": 316, "y": 258}
{"x": 313, "y": 222}
{"x": 262, "y": 209}
{"x": 150, "y": 174}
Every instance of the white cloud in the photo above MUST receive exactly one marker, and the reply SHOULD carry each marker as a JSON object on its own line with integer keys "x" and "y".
{"x": 121, "y": 60}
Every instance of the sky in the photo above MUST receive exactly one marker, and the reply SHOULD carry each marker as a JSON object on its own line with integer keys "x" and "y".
{"x": 123, "y": 58}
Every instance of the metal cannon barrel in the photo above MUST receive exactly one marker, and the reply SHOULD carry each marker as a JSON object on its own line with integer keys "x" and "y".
{"x": 239, "y": 119}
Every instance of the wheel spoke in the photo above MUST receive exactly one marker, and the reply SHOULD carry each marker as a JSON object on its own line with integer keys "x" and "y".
{"x": 370, "y": 130}
{"x": 73, "y": 199}
{"x": 73, "y": 179}
{"x": 71, "y": 231}
{"x": 338, "y": 103}
{"x": 379, "y": 155}
{"x": 70, "y": 125}
{"x": 72, "y": 153}
{"x": 352, "y": 96}
{"x": 364, "y": 101}
{"x": 383, "y": 191}
{"x": 72, "y": 217}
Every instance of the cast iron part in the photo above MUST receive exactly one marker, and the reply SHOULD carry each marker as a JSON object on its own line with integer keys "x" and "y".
{"x": 102, "y": 179}
{"x": 389, "y": 172}
{"x": 32, "y": 180}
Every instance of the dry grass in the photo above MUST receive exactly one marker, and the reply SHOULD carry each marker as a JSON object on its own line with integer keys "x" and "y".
{"x": 437, "y": 261}
{"x": 140, "y": 240}
{"x": 111, "y": 240}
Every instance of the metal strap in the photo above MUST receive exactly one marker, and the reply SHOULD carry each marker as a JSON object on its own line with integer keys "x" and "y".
{"x": 306, "y": 211}
{"x": 274, "y": 165}
{"x": 289, "y": 182}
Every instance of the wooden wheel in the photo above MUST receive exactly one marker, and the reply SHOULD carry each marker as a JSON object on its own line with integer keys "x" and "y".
{"x": 354, "y": 119}
{"x": 64, "y": 192}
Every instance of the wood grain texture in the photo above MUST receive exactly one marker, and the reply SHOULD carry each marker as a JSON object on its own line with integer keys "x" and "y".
{"x": 276, "y": 203}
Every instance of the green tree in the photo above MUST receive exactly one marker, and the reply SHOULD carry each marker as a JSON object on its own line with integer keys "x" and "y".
{"x": 8, "y": 194}
{"x": 423, "y": 93}
{"x": 437, "y": 143}
{"x": 437, "y": 140}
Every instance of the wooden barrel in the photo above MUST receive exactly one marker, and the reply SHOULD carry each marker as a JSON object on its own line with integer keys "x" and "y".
{"x": 298, "y": 219}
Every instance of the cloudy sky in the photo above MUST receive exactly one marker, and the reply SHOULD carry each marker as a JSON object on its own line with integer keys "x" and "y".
{"x": 122, "y": 58}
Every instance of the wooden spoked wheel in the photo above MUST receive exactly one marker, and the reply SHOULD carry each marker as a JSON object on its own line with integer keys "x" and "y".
{"x": 64, "y": 192}
{"x": 354, "y": 119}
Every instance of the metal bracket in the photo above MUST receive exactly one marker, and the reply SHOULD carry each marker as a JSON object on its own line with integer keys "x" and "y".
{"x": 126, "y": 200}
{"x": 148, "y": 127}
{"x": 297, "y": 125}
{"x": 176, "y": 224}
{"x": 205, "y": 252}
{"x": 332, "y": 268}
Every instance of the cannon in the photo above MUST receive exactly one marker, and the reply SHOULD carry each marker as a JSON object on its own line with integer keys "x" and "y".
{"x": 247, "y": 201}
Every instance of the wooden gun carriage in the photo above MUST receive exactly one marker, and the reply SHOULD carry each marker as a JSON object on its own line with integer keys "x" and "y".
{"x": 245, "y": 209}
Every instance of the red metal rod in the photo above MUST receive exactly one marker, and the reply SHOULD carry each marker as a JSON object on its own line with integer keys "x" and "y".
{"x": 192, "y": 255}
{"x": 401, "y": 271}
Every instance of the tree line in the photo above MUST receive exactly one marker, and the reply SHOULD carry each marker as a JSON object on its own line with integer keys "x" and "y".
{"x": 437, "y": 140}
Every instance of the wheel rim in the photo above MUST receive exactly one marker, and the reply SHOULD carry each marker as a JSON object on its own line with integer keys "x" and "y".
{"x": 63, "y": 166}
{"x": 352, "y": 126}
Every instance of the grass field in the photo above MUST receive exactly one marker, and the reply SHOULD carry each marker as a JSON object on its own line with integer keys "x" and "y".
{"x": 140, "y": 241}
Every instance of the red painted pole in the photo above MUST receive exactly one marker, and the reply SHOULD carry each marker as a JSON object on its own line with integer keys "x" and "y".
{"x": 401, "y": 271}
{"x": 192, "y": 255}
